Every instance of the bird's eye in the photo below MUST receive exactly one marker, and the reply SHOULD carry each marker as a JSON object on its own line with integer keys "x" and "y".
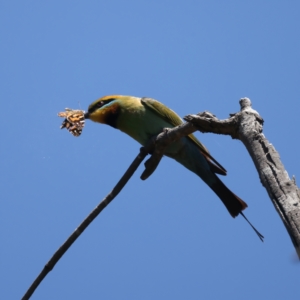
{"x": 101, "y": 103}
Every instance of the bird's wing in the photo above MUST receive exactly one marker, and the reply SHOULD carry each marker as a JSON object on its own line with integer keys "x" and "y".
{"x": 171, "y": 117}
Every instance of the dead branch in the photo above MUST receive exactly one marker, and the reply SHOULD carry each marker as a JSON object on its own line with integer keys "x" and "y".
{"x": 246, "y": 126}
{"x": 88, "y": 220}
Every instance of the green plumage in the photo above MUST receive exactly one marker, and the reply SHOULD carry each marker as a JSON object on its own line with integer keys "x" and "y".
{"x": 169, "y": 116}
{"x": 143, "y": 118}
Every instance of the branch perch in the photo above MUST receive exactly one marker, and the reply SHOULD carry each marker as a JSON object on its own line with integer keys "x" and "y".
{"x": 247, "y": 126}
{"x": 88, "y": 220}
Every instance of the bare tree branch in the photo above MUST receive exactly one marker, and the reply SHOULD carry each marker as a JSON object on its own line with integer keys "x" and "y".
{"x": 88, "y": 220}
{"x": 246, "y": 126}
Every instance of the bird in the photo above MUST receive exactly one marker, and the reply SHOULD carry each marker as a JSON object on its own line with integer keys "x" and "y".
{"x": 143, "y": 118}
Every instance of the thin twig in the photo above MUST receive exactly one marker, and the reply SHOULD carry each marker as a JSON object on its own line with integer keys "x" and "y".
{"x": 88, "y": 220}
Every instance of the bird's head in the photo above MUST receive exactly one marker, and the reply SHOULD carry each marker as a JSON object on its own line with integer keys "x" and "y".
{"x": 106, "y": 109}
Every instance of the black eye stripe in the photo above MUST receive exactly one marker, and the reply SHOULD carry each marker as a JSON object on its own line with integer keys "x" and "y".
{"x": 107, "y": 100}
{"x": 100, "y": 104}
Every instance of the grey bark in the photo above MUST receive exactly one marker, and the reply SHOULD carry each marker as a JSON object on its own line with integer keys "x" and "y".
{"x": 247, "y": 126}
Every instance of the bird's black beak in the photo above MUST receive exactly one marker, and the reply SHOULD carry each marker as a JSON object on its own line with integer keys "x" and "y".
{"x": 87, "y": 115}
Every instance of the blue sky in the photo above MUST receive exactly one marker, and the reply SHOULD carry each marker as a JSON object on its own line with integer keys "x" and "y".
{"x": 168, "y": 237}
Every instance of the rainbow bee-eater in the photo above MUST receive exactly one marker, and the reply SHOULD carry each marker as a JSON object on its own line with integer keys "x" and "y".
{"x": 143, "y": 118}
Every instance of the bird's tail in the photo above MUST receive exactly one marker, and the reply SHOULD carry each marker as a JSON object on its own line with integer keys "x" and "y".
{"x": 233, "y": 203}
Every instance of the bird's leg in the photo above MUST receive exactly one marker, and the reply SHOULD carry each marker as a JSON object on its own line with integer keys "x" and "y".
{"x": 156, "y": 155}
